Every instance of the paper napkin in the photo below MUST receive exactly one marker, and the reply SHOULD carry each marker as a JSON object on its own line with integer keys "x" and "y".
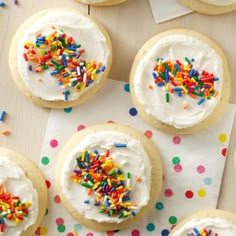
{"x": 193, "y": 164}
{"x": 164, "y": 10}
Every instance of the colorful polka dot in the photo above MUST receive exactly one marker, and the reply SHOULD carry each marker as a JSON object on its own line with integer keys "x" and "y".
{"x": 207, "y": 181}
{"x": 224, "y": 152}
{"x": 48, "y": 183}
{"x": 222, "y": 138}
{"x": 168, "y": 192}
{"x": 172, "y": 220}
{"x": 135, "y": 233}
{"x": 175, "y": 160}
{"x": 133, "y": 111}
{"x": 61, "y": 228}
{"x": 159, "y": 206}
{"x": 165, "y": 232}
{"x": 57, "y": 199}
{"x": 90, "y": 234}
{"x": 148, "y": 133}
{"x": 68, "y": 110}
{"x": 43, "y": 230}
{"x": 53, "y": 143}
{"x": 127, "y": 88}
{"x": 150, "y": 227}
{"x": 189, "y": 194}
{"x": 178, "y": 168}
{"x": 59, "y": 221}
{"x": 200, "y": 169}
{"x": 201, "y": 192}
{"x": 80, "y": 127}
{"x": 176, "y": 140}
{"x": 45, "y": 160}
{"x": 78, "y": 227}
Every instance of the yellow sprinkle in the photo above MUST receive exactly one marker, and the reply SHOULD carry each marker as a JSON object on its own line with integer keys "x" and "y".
{"x": 30, "y": 44}
{"x": 184, "y": 89}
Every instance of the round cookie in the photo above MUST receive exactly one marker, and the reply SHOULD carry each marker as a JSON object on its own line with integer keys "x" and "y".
{"x": 23, "y": 195}
{"x": 102, "y": 2}
{"x": 60, "y": 58}
{"x": 180, "y": 82}
{"x": 210, "y": 7}
{"x": 109, "y": 176}
{"x": 206, "y": 223}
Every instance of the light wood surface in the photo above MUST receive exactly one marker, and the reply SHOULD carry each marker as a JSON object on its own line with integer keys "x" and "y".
{"x": 130, "y": 25}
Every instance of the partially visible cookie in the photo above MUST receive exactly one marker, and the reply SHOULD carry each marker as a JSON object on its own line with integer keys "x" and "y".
{"x": 210, "y": 7}
{"x": 109, "y": 176}
{"x": 60, "y": 58}
{"x": 210, "y": 222}
{"x": 180, "y": 81}
{"x": 101, "y": 2}
{"x": 23, "y": 195}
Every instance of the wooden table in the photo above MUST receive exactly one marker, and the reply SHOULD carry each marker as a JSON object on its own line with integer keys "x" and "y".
{"x": 130, "y": 25}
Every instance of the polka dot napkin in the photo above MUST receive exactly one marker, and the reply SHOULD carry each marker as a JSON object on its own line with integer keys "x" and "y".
{"x": 193, "y": 164}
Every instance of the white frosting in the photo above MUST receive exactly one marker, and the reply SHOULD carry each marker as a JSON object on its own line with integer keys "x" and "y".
{"x": 15, "y": 182}
{"x": 133, "y": 159}
{"x": 153, "y": 100}
{"x": 217, "y": 225}
{"x": 84, "y": 32}
{"x": 219, "y": 2}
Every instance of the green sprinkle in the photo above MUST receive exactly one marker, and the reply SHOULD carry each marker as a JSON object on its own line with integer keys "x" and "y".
{"x": 86, "y": 185}
{"x": 55, "y": 63}
{"x": 187, "y": 60}
{"x": 166, "y": 66}
{"x": 167, "y": 97}
{"x": 162, "y": 75}
{"x": 128, "y": 175}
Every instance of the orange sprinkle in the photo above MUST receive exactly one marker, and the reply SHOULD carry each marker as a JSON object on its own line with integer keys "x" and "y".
{"x": 138, "y": 179}
{"x": 38, "y": 34}
{"x": 216, "y": 93}
{"x": 150, "y": 86}
{"x": 5, "y": 132}
{"x": 89, "y": 191}
{"x": 40, "y": 80}
{"x": 185, "y": 107}
{"x": 53, "y": 27}
{"x": 192, "y": 95}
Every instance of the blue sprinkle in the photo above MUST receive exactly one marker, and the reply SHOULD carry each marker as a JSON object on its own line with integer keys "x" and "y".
{"x": 133, "y": 213}
{"x": 63, "y": 57}
{"x": 66, "y": 96}
{"x": 120, "y": 145}
{"x": 2, "y": 116}
{"x": 2, "y": 4}
{"x": 216, "y": 79}
{"x": 167, "y": 76}
{"x": 155, "y": 76}
{"x": 102, "y": 68}
{"x": 177, "y": 89}
{"x": 191, "y": 73}
{"x": 54, "y": 72}
{"x": 201, "y": 101}
{"x": 160, "y": 84}
{"x": 177, "y": 67}
{"x": 179, "y": 94}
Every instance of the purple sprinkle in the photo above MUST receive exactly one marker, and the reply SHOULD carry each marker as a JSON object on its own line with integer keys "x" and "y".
{"x": 16, "y": 2}
{"x": 30, "y": 67}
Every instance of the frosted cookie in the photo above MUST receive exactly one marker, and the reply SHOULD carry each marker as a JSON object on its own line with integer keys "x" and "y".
{"x": 23, "y": 195}
{"x": 210, "y": 7}
{"x": 101, "y": 2}
{"x": 210, "y": 222}
{"x": 180, "y": 81}
{"x": 60, "y": 58}
{"x": 108, "y": 176}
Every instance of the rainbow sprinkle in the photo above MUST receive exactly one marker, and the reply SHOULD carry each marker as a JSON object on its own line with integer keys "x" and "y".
{"x": 11, "y": 208}
{"x": 61, "y": 53}
{"x": 202, "y": 232}
{"x": 106, "y": 180}
{"x": 182, "y": 78}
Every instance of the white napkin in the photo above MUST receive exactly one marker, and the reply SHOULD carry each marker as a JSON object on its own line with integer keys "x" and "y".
{"x": 164, "y": 10}
{"x": 193, "y": 164}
